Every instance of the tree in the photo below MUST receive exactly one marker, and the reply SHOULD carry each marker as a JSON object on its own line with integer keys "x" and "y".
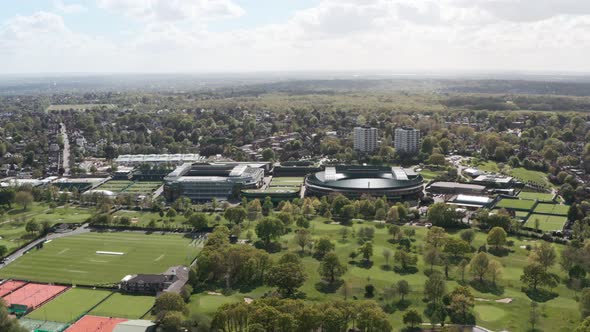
{"x": 412, "y": 318}
{"x": 171, "y": 321}
{"x": 32, "y": 226}
{"x": 169, "y": 302}
{"x": 268, "y": 154}
{"x": 436, "y": 237}
{"x": 367, "y": 251}
{"x": 287, "y": 275}
{"x": 468, "y": 235}
{"x": 456, "y": 248}
{"x": 435, "y": 288}
{"x": 494, "y": 270}
{"x": 171, "y": 213}
{"x": 443, "y": 215}
{"x": 432, "y": 257}
{"x": 585, "y": 303}
{"x": 584, "y": 326}
{"x": 198, "y": 221}
{"x": 331, "y": 268}
{"x": 235, "y": 215}
{"x": 322, "y": 247}
{"x": 347, "y": 213}
{"x": 479, "y": 265}
{"x": 392, "y": 215}
{"x": 460, "y": 306}
{"x": 302, "y": 237}
{"x": 403, "y": 289}
{"x": 544, "y": 254}
{"x": 395, "y": 231}
{"x": 23, "y": 198}
{"x": 497, "y": 237}
{"x": 534, "y": 275}
{"x": 462, "y": 267}
{"x": 269, "y": 229}
{"x": 7, "y": 323}
{"x": 405, "y": 259}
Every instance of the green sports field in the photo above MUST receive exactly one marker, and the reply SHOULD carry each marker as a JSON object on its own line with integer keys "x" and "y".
{"x": 516, "y": 204}
{"x": 69, "y": 306}
{"x": 546, "y": 223}
{"x": 543, "y": 197}
{"x": 74, "y": 259}
{"x": 124, "y": 306}
{"x": 555, "y": 209}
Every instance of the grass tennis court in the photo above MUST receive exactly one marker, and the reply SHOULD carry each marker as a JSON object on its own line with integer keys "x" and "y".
{"x": 70, "y": 305}
{"x": 124, "y": 306}
{"x": 115, "y": 186}
{"x": 516, "y": 204}
{"x": 546, "y": 223}
{"x": 543, "y": 197}
{"x": 555, "y": 209}
{"x": 286, "y": 182}
{"x": 74, "y": 260}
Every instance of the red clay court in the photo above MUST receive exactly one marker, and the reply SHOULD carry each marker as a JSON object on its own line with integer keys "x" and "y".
{"x": 90, "y": 323}
{"x": 10, "y": 286}
{"x": 34, "y": 295}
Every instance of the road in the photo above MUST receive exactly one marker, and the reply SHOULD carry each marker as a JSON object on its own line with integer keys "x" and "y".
{"x": 9, "y": 259}
{"x": 66, "y": 150}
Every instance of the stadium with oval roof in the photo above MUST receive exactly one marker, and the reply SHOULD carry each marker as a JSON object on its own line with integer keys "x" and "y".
{"x": 395, "y": 183}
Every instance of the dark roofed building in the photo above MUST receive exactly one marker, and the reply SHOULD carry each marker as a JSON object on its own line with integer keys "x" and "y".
{"x": 170, "y": 281}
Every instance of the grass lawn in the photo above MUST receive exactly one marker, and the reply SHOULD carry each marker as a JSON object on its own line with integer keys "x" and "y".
{"x": 543, "y": 197}
{"x": 115, "y": 186}
{"x": 555, "y": 209}
{"x": 560, "y": 314}
{"x": 124, "y": 306}
{"x": 430, "y": 174}
{"x": 526, "y": 175}
{"x": 547, "y": 223}
{"x": 143, "y": 188}
{"x": 74, "y": 259}
{"x": 286, "y": 182}
{"x": 516, "y": 204}
{"x": 70, "y": 305}
{"x": 488, "y": 166}
{"x": 12, "y": 225}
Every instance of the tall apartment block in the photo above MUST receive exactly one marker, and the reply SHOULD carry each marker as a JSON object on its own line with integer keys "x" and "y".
{"x": 365, "y": 139}
{"x": 407, "y": 140}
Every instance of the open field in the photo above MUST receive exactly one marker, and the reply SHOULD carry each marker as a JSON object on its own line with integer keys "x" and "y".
{"x": 77, "y": 107}
{"x": 74, "y": 259}
{"x": 543, "y": 197}
{"x": 488, "y": 166}
{"x": 529, "y": 176}
{"x": 124, "y": 306}
{"x": 430, "y": 174}
{"x": 70, "y": 305}
{"x": 560, "y": 314}
{"x": 547, "y": 223}
{"x": 555, "y": 209}
{"x": 516, "y": 204}
{"x": 12, "y": 225}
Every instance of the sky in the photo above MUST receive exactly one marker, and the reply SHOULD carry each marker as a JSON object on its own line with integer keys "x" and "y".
{"x": 210, "y": 36}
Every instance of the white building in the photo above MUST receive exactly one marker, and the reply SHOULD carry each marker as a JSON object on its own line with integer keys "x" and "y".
{"x": 365, "y": 139}
{"x": 407, "y": 140}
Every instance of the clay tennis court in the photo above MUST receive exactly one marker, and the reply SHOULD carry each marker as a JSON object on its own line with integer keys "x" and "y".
{"x": 10, "y": 286}
{"x": 34, "y": 295}
{"x": 90, "y": 323}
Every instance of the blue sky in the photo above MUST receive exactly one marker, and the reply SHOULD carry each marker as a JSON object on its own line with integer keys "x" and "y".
{"x": 42, "y": 36}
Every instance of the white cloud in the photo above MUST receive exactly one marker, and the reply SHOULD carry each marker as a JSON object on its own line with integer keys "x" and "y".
{"x": 389, "y": 35}
{"x": 173, "y": 10}
{"x": 71, "y": 8}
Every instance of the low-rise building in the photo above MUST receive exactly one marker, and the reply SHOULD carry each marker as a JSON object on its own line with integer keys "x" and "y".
{"x": 455, "y": 188}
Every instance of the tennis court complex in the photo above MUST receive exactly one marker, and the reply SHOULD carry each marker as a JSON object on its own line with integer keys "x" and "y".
{"x": 70, "y": 305}
{"x": 547, "y": 223}
{"x": 95, "y": 324}
{"x": 33, "y": 295}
